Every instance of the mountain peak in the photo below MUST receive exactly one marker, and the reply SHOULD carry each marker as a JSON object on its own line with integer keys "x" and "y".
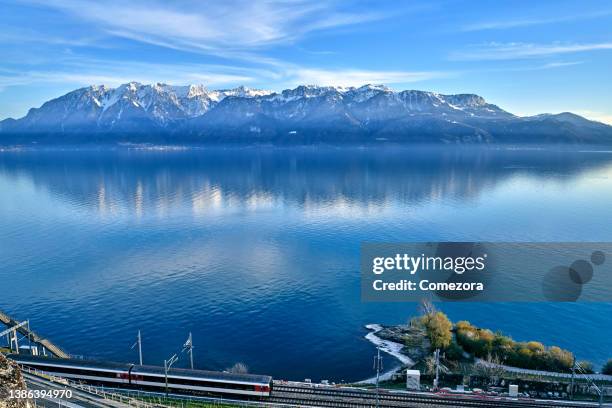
{"x": 245, "y": 92}
{"x": 98, "y": 88}
{"x": 369, "y": 112}
{"x": 375, "y": 87}
{"x": 131, "y": 86}
{"x": 196, "y": 90}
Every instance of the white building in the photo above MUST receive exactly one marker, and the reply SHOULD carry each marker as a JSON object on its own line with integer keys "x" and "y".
{"x": 413, "y": 380}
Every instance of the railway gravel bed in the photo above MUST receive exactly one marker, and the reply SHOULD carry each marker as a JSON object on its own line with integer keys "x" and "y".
{"x": 340, "y": 398}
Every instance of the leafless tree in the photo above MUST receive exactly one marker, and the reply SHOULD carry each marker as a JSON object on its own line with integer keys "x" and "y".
{"x": 426, "y": 307}
{"x": 430, "y": 366}
{"x": 466, "y": 370}
{"x": 491, "y": 369}
{"x": 238, "y": 368}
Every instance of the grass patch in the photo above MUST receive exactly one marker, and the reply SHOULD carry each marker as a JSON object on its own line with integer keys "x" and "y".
{"x": 188, "y": 403}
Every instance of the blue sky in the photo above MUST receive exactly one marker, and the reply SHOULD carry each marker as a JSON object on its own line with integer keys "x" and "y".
{"x": 526, "y": 56}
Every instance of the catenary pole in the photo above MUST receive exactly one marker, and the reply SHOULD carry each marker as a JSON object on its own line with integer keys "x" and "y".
{"x": 139, "y": 347}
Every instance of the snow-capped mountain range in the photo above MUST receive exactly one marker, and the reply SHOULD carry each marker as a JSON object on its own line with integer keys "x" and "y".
{"x": 306, "y": 114}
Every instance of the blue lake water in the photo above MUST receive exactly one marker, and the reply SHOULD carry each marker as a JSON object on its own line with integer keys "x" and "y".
{"x": 256, "y": 251}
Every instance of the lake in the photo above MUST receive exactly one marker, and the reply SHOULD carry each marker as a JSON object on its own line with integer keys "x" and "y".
{"x": 256, "y": 250}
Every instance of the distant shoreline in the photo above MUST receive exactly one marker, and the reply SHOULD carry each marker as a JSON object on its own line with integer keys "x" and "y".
{"x": 390, "y": 347}
{"x": 152, "y": 147}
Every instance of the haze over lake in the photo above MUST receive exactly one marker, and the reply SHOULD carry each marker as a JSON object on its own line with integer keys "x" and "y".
{"x": 256, "y": 250}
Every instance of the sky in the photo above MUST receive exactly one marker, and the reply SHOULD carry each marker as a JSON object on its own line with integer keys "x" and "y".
{"x": 528, "y": 57}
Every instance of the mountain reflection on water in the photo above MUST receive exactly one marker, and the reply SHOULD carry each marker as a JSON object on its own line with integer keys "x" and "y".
{"x": 256, "y": 250}
{"x": 138, "y": 182}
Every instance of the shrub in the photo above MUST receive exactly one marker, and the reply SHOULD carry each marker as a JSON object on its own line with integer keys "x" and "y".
{"x": 533, "y": 355}
{"x": 535, "y": 346}
{"x": 454, "y": 352}
{"x": 558, "y": 359}
{"x": 607, "y": 368}
{"x": 463, "y": 325}
{"x": 438, "y": 329}
{"x": 523, "y": 358}
{"x": 585, "y": 367}
{"x": 476, "y": 341}
{"x": 504, "y": 346}
{"x": 467, "y": 336}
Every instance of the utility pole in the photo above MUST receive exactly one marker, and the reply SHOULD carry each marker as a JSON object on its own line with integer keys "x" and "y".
{"x": 189, "y": 347}
{"x": 29, "y": 338}
{"x": 166, "y": 376}
{"x": 139, "y": 344}
{"x": 15, "y": 340}
{"x": 377, "y": 367}
{"x": 572, "y": 383}
{"x": 139, "y": 347}
{"x": 437, "y": 361}
{"x": 167, "y": 364}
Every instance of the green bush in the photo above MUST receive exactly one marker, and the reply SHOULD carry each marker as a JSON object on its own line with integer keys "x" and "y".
{"x": 438, "y": 329}
{"x": 532, "y": 355}
{"x": 607, "y": 368}
{"x": 467, "y": 336}
{"x": 559, "y": 359}
{"x": 586, "y": 367}
{"x": 535, "y": 346}
{"x": 454, "y": 352}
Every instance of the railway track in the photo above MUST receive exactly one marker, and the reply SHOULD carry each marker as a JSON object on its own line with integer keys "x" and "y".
{"x": 348, "y": 398}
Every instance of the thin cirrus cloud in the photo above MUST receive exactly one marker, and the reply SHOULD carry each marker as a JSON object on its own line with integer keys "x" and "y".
{"x": 93, "y": 71}
{"x": 510, "y": 51}
{"x": 96, "y": 71}
{"x": 552, "y": 65}
{"x": 539, "y": 67}
{"x": 359, "y": 77}
{"x": 527, "y": 22}
{"x": 210, "y": 26}
{"x": 238, "y": 31}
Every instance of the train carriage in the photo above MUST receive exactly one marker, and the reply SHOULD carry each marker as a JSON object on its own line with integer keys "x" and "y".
{"x": 151, "y": 378}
